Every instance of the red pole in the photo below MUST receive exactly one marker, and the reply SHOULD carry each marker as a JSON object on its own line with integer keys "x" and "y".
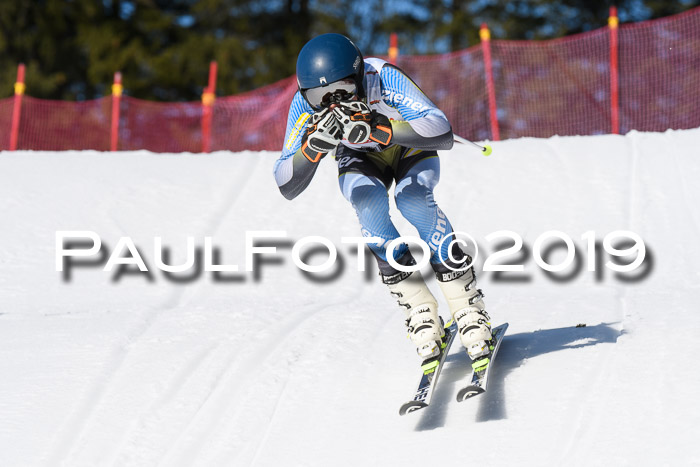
{"x": 212, "y": 76}
{"x": 485, "y": 35}
{"x": 393, "y": 48}
{"x": 17, "y": 108}
{"x": 208, "y": 98}
{"x": 116, "y": 99}
{"x": 613, "y": 22}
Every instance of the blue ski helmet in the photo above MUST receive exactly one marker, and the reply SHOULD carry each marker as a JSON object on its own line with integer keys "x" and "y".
{"x": 326, "y": 59}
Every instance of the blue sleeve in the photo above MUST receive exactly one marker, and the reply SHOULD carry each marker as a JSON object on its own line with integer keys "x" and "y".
{"x": 425, "y": 126}
{"x": 293, "y": 171}
{"x": 299, "y": 113}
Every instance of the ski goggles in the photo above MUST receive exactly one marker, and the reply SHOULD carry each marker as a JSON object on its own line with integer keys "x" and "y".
{"x": 323, "y": 96}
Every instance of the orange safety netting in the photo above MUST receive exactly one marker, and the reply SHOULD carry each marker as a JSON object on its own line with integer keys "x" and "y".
{"x": 542, "y": 88}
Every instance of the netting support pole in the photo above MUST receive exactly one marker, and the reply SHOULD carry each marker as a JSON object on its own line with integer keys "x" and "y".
{"x": 17, "y": 107}
{"x": 208, "y": 97}
{"x": 485, "y": 35}
{"x": 116, "y": 107}
{"x": 613, "y": 23}
{"x": 393, "y": 48}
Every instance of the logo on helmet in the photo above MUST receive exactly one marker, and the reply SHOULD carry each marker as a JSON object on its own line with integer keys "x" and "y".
{"x": 322, "y": 79}
{"x": 357, "y": 62}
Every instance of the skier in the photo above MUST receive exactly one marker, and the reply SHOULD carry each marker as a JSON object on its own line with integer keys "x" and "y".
{"x": 381, "y": 129}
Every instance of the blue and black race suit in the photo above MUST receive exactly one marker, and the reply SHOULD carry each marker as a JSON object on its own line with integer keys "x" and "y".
{"x": 367, "y": 170}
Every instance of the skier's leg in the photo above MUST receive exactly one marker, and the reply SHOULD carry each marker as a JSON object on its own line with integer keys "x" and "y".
{"x": 425, "y": 328}
{"x": 467, "y": 307}
{"x": 414, "y": 198}
{"x": 368, "y": 195}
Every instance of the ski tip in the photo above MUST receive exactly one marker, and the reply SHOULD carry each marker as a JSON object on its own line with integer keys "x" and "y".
{"x": 469, "y": 391}
{"x": 411, "y": 407}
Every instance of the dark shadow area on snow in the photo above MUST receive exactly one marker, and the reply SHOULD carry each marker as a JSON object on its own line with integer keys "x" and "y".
{"x": 514, "y": 351}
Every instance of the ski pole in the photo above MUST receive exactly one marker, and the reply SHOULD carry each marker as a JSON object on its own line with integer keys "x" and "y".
{"x": 485, "y": 149}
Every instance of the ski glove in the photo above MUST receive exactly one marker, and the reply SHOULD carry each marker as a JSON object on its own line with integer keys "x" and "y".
{"x": 360, "y": 124}
{"x": 322, "y": 135}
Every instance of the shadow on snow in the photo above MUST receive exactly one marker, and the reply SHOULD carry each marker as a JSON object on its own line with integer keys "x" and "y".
{"x": 515, "y": 349}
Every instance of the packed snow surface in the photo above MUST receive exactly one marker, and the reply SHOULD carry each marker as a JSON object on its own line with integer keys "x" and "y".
{"x": 272, "y": 367}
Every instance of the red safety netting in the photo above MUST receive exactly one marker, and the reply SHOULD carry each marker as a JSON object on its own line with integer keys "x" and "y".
{"x": 159, "y": 126}
{"x": 5, "y": 122}
{"x": 47, "y": 125}
{"x": 660, "y": 73}
{"x": 255, "y": 120}
{"x": 249, "y": 121}
{"x": 540, "y": 88}
{"x": 455, "y": 82}
{"x": 557, "y": 87}
{"x": 65, "y": 125}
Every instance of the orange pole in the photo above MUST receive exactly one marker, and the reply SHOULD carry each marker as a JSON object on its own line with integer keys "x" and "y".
{"x": 393, "y": 48}
{"x": 208, "y": 98}
{"x": 17, "y": 107}
{"x": 613, "y": 23}
{"x": 116, "y": 99}
{"x": 485, "y": 35}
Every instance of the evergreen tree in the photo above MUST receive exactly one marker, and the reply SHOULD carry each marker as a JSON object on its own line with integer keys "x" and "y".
{"x": 163, "y": 47}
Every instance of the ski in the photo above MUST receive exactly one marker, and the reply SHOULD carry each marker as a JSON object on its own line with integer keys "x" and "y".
{"x": 482, "y": 367}
{"x": 431, "y": 372}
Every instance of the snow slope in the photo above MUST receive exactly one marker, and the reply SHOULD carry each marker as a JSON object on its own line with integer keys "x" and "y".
{"x": 271, "y": 368}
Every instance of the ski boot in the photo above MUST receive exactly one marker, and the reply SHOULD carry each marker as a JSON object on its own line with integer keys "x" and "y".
{"x": 467, "y": 308}
{"x": 425, "y": 327}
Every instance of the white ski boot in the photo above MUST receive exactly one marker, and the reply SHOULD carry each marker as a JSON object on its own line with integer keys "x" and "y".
{"x": 425, "y": 328}
{"x": 467, "y": 307}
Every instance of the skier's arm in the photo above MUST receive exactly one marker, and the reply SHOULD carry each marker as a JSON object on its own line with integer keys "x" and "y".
{"x": 298, "y": 163}
{"x": 424, "y": 126}
{"x": 407, "y": 135}
{"x": 294, "y": 173}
